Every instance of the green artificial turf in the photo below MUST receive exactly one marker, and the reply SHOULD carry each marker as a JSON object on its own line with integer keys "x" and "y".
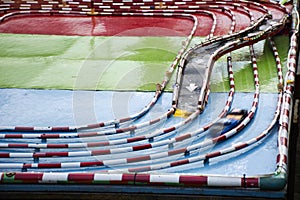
{"x": 116, "y": 63}
{"x": 242, "y": 67}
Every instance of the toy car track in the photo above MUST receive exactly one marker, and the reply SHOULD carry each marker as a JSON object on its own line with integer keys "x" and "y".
{"x": 161, "y": 150}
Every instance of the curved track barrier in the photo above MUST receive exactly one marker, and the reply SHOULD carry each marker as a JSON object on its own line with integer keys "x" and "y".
{"x": 146, "y": 153}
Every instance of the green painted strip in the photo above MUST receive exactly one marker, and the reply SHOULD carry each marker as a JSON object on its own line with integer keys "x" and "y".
{"x": 102, "y": 182}
{"x": 243, "y": 74}
{"x": 115, "y": 63}
{"x": 10, "y": 178}
{"x": 274, "y": 182}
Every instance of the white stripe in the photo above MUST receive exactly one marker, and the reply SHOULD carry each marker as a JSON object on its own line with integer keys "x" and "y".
{"x": 32, "y": 2}
{"x": 34, "y": 165}
{"x": 21, "y": 155}
{"x": 66, "y": 8}
{"x": 77, "y": 145}
{"x": 104, "y": 7}
{"x": 115, "y": 162}
{"x": 11, "y": 165}
{"x": 174, "y": 178}
{"x": 79, "y": 153}
{"x": 120, "y": 150}
{"x": 68, "y": 135}
{"x": 67, "y": 165}
{"x": 223, "y": 181}
{"x": 159, "y": 155}
{"x": 31, "y": 135}
{"x": 54, "y": 177}
{"x": 108, "y": 10}
{"x": 108, "y": 177}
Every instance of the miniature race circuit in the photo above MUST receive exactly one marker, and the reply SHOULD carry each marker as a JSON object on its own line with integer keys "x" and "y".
{"x": 217, "y": 122}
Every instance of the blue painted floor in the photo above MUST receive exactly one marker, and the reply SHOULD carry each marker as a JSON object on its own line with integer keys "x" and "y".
{"x": 62, "y": 107}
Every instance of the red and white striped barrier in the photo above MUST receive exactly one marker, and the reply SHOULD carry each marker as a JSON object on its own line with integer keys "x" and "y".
{"x": 132, "y": 164}
{"x": 283, "y": 136}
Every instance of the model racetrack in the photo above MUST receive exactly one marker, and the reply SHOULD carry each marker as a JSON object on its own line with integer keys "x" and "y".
{"x": 235, "y": 137}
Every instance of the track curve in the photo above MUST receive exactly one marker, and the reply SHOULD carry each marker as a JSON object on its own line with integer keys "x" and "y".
{"x": 168, "y": 147}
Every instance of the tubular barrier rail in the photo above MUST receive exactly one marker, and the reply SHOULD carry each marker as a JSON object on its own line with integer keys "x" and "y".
{"x": 123, "y": 154}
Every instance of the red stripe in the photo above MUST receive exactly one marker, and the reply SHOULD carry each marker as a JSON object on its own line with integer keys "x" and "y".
{"x": 134, "y": 139}
{"x": 128, "y": 178}
{"x": 18, "y": 145}
{"x": 228, "y": 103}
{"x": 283, "y": 141}
{"x": 254, "y": 104}
{"x": 90, "y": 134}
{"x": 169, "y": 129}
{"x": 50, "y": 154}
{"x": 177, "y": 151}
{"x": 187, "y": 121}
{"x": 28, "y": 177}
{"x": 250, "y": 182}
{"x": 98, "y": 144}
{"x": 24, "y": 128}
{"x": 125, "y": 119}
{"x": 93, "y": 126}
{"x": 205, "y": 128}
{"x": 89, "y": 164}
{"x": 13, "y": 136}
{"x": 193, "y": 180}
{"x": 137, "y": 159}
{"x": 214, "y": 154}
{"x": 288, "y": 99}
{"x": 140, "y": 169}
{"x": 240, "y": 127}
{"x": 101, "y": 152}
{"x": 57, "y": 145}
{"x": 170, "y": 112}
{"x": 96, "y": 125}
{"x": 26, "y": 166}
{"x": 141, "y": 147}
{"x": 142, "y": 178}
{"x": 241, "y": 146}
{"x": 61, "y": 128}
{"x": 284, "y": 158}
{"x": 285, "y": 125}
{"x": 180, "y": 162}
{"x": 182, "y": 137}
{"x": 48, "y": 165}
{"x": 219, "y": 138}
{"x": 260, "y": 137}
{"x": 49, "y": 136}
{"x": 81, "y": 177}
{"x": 154, "y": 121}
{"x": 286, "y": 112}
{"x": 122, "y": 130}
{"x": 4, "y": 155}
